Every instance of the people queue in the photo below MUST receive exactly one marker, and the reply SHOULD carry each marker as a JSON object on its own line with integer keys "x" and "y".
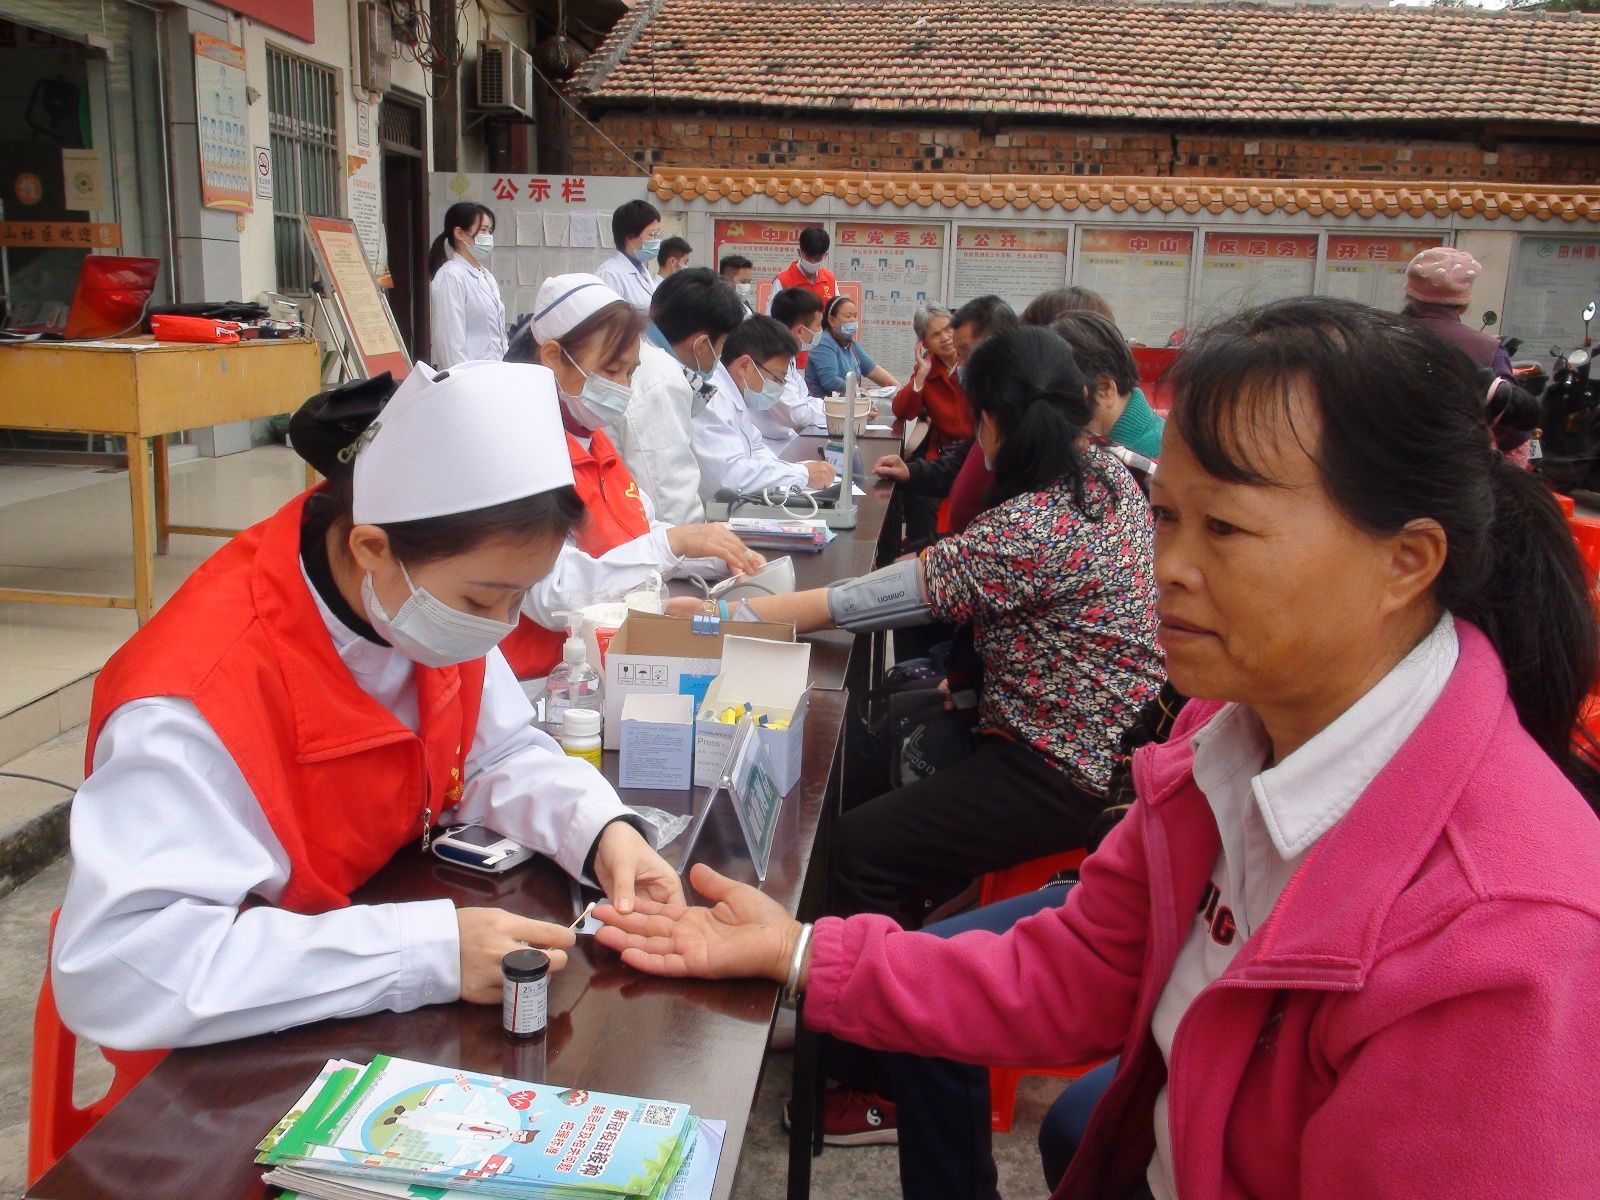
{"x": 1343, "y": 938}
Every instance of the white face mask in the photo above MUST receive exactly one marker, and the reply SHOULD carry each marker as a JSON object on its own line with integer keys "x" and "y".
{"x": 483, "y": 244}
{"x": 428, "y": 631}
{"x": 806, "y": 337}
{"x": 745, "y": 290}
{"x": 809, "y": 269}
{"x": 601, "y": 401}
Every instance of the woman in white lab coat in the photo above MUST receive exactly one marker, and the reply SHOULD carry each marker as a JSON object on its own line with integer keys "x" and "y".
{"x": 466, "y": 316}
{"x": 315, "y": 699}
{"x": 589, "y": 337}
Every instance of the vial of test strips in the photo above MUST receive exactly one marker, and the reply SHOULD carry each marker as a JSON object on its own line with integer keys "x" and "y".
{"x": 524, "y": 1005}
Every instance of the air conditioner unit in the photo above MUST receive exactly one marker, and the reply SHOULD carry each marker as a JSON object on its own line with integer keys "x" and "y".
{"x": 505, "y": 78}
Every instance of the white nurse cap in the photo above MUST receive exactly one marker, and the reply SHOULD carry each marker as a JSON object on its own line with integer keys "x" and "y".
{"x": 477, "y": 435}
{"x": 566, "y": 301}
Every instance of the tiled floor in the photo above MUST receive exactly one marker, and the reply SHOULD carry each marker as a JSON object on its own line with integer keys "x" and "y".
{"x": 69, "y": 529}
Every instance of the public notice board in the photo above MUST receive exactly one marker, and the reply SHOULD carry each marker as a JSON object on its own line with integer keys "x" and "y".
{"x": 1144, "y": 275}
{"x": 769, "y": 245}
{"x": 899, "y": 267}
{"x": 1242, "y": 270}
{"x": 1554, "y": 277}
{"x": 1372, "y": 270}
{"x": 1010, "y": 261}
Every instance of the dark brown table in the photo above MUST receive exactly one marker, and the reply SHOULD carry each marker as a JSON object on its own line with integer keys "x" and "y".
{"x": 188, "y": 1131}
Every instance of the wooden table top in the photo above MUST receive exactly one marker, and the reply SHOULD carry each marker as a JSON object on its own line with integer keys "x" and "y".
{"x": 189, "y": 1129}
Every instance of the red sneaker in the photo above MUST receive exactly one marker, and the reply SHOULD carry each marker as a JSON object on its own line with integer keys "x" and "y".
{"x": 851, "y": 1117}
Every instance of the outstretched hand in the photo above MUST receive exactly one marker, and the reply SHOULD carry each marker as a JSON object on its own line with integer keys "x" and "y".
{"x": 745, "y": 934}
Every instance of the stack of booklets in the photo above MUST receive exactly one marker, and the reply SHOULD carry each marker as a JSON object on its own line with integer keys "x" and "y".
{"x": 401, "y": 1129}
{"x": 776, "y": 533}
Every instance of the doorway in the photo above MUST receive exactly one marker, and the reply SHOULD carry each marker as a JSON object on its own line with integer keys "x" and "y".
{"x": 405, "y": 215}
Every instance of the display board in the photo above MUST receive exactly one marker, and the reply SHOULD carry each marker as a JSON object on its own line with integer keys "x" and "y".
{"x": 1551, "y": 281}
{"x": 1143, "y": 274}
{"x": 1009, "y": 261}
{"x": 1372, "y": 269}
{"x": 544, "y": 224}
{"x": 899, "y": 267}
{"x": 227, "y": 165}
{"x": 769, "y": 245}
{"x": 1241, "y": 270}
{"x": 343, "y": 268}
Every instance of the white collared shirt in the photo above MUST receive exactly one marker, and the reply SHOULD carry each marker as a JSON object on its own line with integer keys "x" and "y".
{"x": 466, "y": 315}
{"x": 731, "y": 451}
{"x": 168, "y": 935}
{"x": 1270, "y": 819}
{"x": 629, "y": 280}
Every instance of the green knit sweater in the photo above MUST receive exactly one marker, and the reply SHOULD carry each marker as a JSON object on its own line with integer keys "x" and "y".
{"x": 1138, "y": 428}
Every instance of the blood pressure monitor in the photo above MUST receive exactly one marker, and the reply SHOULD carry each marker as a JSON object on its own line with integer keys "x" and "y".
{"x": 480, "y": 849}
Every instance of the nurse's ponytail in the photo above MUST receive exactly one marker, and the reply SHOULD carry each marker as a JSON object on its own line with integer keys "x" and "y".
{"x": 464, "y": 215}
{"x": 326, "y": 432}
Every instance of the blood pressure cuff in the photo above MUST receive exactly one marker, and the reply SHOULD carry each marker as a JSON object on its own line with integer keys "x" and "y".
{"x": 889, "y": 598}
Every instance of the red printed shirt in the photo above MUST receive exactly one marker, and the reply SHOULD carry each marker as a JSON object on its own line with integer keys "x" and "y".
{"x": 1062, "y": 604}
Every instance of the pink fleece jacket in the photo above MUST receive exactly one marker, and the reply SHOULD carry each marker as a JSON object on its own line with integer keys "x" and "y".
{"x": 1419, "y": 1017}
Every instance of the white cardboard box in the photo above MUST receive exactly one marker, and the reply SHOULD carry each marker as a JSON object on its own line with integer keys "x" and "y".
{"x": 670, "y": 655}
{"x": 772, "y": 678}
{"x": 657, "y": 741}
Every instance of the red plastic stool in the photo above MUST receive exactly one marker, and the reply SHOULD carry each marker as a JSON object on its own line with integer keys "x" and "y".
{"x": 1566, "y": 504}
{"x": 1002, "y": 885}
{"x": 1586, "y": 533}
{"x": 54, "y": 1122}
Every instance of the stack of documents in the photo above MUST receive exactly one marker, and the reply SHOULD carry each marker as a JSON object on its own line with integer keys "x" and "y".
{"x": 774, "y": 533}
{"x": 404, "y": 1129}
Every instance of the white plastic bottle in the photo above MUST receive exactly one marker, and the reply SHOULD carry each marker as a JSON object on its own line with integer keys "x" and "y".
{"x": 573, "y": 684}
{"x": 580, "y": 734}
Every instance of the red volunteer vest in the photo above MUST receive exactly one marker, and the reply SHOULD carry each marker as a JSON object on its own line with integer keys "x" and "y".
{"x": 826, "y": 287}
{"x": 613, "y": 514}
{"x": 342, "y": 783}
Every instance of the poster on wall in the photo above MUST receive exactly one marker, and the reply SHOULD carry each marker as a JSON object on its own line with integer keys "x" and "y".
{"x": 1372, "y": 270}
{"x": 898, "y": 267}
{"x": 1143, "y": 274}
{"x": 227, "y": 164}
{"x": 769, "y": 245}
{"x": 544, "y": 224}
{"x": 343, "y": 264}
{"x": 1011, "y": 262}
{"x": 1241, "y": 270}
{"x": 1551, "y": 281}
{"x": 367, "y": 213}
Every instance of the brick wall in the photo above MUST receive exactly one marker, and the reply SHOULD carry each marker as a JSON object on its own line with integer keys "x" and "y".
{"x": 723, "y": 141}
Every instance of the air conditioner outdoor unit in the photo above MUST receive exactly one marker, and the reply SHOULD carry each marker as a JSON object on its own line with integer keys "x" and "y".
{"x": 505, "y": 78}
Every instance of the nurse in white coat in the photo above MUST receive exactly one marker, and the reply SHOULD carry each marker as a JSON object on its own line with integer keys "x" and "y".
{"x": 312, "y": 702}
{"x": 466, "y": 315}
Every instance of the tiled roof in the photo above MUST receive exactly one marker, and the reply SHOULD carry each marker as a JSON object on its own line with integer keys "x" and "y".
{"x": 1091, "y": 59}
{"x": 1141, "y": 194}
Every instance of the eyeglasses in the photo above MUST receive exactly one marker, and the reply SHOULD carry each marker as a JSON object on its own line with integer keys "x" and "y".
{"x": 765, "y": 374}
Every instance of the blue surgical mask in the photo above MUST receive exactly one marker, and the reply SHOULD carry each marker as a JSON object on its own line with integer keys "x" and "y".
{"x": 769, "y": 394}
{"x": 600, "y": 402}
{"x": 850, "y": 329}
{"x": 428, "y": 631}
{"x": 649, "y": 251}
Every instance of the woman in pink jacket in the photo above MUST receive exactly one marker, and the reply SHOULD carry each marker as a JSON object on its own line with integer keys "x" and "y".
{"x": 1347, "y": 943}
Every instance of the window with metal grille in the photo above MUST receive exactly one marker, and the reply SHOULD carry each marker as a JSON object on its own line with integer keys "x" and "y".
{"x": 303, "y": 114}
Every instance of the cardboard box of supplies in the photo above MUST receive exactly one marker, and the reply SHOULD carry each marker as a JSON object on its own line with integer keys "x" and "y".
{"x": 771, "y": 678}
{"x": 676, "y": 656}
{"x": 657, "y": 742}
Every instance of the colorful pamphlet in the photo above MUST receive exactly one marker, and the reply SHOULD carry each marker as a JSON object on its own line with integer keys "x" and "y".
{"x": 399, "y": 1128}
{"x": 774, "y": 533}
